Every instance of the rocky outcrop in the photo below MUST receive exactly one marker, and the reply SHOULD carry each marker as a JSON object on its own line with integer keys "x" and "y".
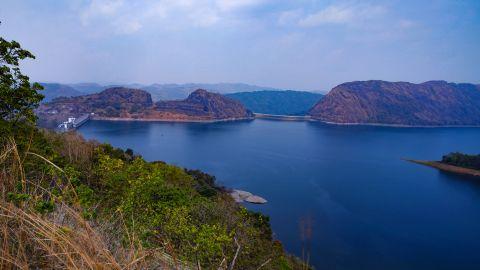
{"x": 126, "y": 103}
{"x": 203, "y": 105}
{"x": 433, "y": 103}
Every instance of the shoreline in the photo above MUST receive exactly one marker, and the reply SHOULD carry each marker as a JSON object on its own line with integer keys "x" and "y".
{"x": 393, "y": 125}
{"x": 287, "y": 118}
{"x": 283, "y": 117}
{"x": 170, "y": 120}
{"x": 446, "y": 167}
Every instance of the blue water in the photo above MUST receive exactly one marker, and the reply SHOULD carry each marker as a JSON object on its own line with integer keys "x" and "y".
{"x": 368, "y": 208}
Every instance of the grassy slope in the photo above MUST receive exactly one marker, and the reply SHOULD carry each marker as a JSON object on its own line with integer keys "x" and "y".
{"x": 75, "y": 204}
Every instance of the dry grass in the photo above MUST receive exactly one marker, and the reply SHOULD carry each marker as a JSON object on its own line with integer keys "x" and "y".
{"x": 62, "y": 239}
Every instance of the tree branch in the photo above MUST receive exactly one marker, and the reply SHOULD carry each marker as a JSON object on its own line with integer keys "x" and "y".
{"x": 236, "y": 254}
{"x": 265, "y": 263}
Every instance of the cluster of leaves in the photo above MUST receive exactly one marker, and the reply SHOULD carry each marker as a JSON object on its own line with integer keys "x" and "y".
{"x": 462, "y": 160}
{"x": 18, "y": 97}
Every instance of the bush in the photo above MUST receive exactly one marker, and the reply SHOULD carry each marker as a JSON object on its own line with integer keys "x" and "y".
{"x": 462, "y": 160}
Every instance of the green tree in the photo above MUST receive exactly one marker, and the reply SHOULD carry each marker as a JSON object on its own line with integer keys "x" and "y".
{"x": 18, "y": 97}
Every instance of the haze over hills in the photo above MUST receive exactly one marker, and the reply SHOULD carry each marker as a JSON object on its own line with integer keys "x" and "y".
{"x": 278, "y": 102}
{"x": 433, "y": 103}
{"x": 134, "y": 104}
{"x": 181, "y": 91}
{"x": 88, "y": 88}
{"x": 160, "y": 91}
{"x": 55, "y": 90}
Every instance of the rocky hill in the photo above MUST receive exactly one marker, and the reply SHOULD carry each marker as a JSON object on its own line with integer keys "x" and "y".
{"x": 201, "y": 105}
{"x": 126, "y": 103}
{"x": 278, "y": 102}
{"x": 433, "y": 103}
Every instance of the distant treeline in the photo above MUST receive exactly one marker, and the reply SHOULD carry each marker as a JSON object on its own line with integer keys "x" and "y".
{"x": 462, "y": 160}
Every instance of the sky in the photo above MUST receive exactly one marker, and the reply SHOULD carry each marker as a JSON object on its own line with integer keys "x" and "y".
{"x": 302, "y": 44}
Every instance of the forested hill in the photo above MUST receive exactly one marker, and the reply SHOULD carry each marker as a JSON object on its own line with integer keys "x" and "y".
{"x": 278, "y": 102}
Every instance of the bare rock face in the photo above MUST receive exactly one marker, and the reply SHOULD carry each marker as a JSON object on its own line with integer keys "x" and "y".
{"x": 433, "y": 103}
{"x": 112, "y": 102}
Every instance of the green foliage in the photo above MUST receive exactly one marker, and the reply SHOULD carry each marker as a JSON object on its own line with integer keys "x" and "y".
{"x": 18, "y": 97}
{"x": 44, "y": 207}
{"x": 85, "y": 195}
{"x": 462, "y": 160}
{"x": 204, "y": 183}
{"x": 17, "y": 198}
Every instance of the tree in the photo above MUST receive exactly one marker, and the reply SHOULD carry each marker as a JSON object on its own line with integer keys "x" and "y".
{"x": 18, "y": 97}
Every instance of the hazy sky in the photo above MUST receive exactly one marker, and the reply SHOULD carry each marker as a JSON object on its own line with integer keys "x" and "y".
{"x": 301, "y": 44}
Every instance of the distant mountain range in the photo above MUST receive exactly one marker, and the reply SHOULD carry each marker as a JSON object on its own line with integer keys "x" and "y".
{"x": 277, "y": 102}
{"x": 158, "y": 91}
{"x": 433, "y": 103}
{"x": 125, "y": 103}
{"x": 55, "y": 90}
{"x": 88, "y": 88}
{"x": 181, "y": 91}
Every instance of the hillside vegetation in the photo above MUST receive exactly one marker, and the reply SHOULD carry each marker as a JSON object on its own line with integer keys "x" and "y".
{"x": 68, "y": 203}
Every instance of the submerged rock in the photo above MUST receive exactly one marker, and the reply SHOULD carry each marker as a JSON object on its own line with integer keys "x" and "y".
{"x": 255, "y": 199}
{"x": 244, "y": 196}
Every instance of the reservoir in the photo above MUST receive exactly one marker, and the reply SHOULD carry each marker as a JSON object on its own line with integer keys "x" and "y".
{"x": 341, "y": 193}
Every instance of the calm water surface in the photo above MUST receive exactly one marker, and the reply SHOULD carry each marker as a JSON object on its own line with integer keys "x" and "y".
{"x": 369, "y": 209}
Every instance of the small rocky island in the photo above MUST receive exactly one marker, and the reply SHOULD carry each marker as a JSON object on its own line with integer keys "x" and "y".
{"x": 455, "y": 163}
{"x": 121, "y": 103}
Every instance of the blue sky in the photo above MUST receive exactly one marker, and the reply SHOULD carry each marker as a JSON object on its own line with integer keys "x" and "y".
{"x": 310, "y": 45}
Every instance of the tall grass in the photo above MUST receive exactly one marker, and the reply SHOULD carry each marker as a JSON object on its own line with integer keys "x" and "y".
{"x": 63, "y": 238}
